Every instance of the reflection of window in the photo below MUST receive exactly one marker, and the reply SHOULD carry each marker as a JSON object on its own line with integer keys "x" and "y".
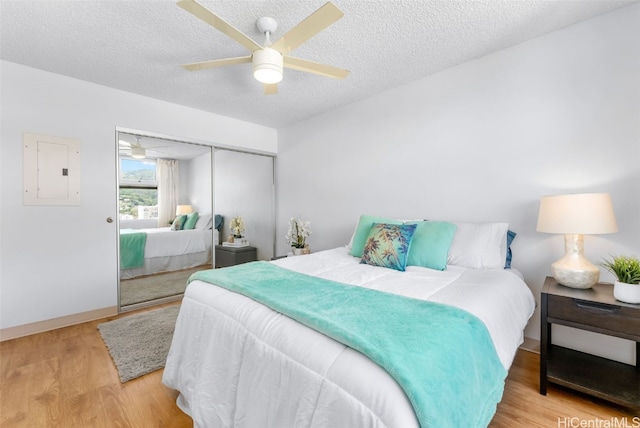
{"x": 138, "y": 189}
{"x": 138, "y": 172}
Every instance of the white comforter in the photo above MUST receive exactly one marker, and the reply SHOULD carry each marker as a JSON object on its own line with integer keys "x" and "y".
{"x": 237, "y": 363}
{"x": 162, "y": 241}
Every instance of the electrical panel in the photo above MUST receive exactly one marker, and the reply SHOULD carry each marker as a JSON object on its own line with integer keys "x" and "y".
{"x": 51, "y": 170}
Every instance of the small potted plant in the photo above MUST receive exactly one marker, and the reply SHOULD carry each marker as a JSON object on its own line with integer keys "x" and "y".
{"x": 299, "y": 231}
{"x": 627, "y": 272}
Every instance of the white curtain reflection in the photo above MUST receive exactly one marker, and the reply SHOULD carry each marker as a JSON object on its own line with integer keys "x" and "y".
{"x": 168, "y": 184}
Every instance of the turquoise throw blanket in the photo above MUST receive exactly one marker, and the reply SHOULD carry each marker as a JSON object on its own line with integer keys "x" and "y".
{"x": 442, "y": 357}
{"x": 132, "y": 248}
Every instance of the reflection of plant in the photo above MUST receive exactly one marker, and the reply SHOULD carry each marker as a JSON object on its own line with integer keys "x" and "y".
{"x": 625, "y": 269}
{"x": 236, "y": 227}
{"x": 299, "y": 231}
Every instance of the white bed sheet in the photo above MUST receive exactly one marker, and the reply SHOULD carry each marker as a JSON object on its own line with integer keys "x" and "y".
{"x": 237, "y": 363}
{"x": 162, "y": 241}
{"x": 166, "y": 250}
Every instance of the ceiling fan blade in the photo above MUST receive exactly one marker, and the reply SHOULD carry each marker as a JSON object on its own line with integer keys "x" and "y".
{"x": 216, "y": 63}
{"x": 314, "y": 67}
{"x": 270, "y": 89}
{"x": 201, "y": 12}
{"x": 312, "y": 25}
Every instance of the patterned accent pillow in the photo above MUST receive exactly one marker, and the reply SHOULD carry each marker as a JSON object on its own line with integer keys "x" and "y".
{"x": 178, "y": 223}
{"x": 388, "y": 245}
{"x": 361, "y": 234}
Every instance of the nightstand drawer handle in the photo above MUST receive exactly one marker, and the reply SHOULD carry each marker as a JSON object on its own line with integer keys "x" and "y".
{"x": 597, "y": 306}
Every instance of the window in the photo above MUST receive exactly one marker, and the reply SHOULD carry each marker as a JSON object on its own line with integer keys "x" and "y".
{"x": 138, "y": 189}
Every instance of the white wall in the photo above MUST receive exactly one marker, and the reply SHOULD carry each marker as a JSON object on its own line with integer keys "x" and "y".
{"x": 199, "y": 181}
{"x": 57, "y": 261}
{"x": 183, "y": 182}
{"x": 483, "y": 142}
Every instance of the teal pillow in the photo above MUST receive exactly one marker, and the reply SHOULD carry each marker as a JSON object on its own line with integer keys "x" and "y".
{"x": 178, "y": 223}
{"x": 190, "y": 223}
{"x": 431, "y": 243}
{"x": 362, "y": 232}
{"x": 388, "y": 245}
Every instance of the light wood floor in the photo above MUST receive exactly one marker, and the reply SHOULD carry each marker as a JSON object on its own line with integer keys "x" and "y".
{"x": 66, "y": 378}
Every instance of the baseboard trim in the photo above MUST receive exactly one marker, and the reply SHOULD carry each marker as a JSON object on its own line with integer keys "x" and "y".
{"x": 531, "y": 345}
{"x": 54, "y": 323}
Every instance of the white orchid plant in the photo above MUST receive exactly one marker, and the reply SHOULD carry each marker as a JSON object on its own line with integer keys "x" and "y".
{"x": 299, "y": 231}
{"x": 236, "y": 226}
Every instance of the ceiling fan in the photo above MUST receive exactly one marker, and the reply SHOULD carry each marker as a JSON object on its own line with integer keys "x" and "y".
{"x": 135, "y": 150}
{"x": 269, "y": 60}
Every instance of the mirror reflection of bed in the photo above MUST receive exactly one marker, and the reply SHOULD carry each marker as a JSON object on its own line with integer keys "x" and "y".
{"x": 167, "y": 228}
{"x": 160, "y": 179}
{"x": 170, "y": 257}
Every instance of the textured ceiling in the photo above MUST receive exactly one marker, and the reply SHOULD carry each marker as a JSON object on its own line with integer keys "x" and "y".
{"x": 139, "y": 45}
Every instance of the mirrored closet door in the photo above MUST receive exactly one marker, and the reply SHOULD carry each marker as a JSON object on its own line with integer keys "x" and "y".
{"x": 244, "y": 188}
{"x": 167, "y": 227}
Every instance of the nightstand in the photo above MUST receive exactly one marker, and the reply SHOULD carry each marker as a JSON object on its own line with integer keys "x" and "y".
{"x": 231, "y": 256}
{"x": 593, "y": 309}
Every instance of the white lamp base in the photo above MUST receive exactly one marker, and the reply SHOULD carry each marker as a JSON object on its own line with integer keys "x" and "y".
{"x": 573, "y": 269}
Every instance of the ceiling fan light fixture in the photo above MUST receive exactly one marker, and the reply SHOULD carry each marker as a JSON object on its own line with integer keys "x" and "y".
{"x": 138, "y": 152}
{"x": 267, "y": 66}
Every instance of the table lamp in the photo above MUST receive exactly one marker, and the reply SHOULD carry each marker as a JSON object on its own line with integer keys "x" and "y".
{"x": 183, "y": 209}
{"x": 575, "y": 215}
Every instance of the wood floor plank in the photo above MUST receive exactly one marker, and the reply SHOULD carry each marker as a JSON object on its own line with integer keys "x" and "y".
{"x": 523, "y": 406}
{"x": 66, "y": 378}
{"x": 33, "y": 395}
{"x": 159, "y": 404}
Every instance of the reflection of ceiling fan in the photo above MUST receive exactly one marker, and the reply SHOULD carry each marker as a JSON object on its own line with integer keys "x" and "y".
{"x": 269, "y": 60}
{"x": 135, "y": 150}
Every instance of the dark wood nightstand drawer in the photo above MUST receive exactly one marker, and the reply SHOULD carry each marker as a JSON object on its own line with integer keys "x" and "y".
{"x": 597, "y": 310}
{"x": 603, "y": 316}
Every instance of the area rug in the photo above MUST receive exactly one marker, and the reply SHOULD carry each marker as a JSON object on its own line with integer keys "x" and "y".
{"x": 139, "y": 344}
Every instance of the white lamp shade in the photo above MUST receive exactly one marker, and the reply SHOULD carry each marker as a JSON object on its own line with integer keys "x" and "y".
{"x": 585, "y": 214}
{"x": 183, "y": 209}
{"x": 267, "y": 65}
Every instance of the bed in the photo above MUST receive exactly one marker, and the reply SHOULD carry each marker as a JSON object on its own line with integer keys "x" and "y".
{"x": 161, "y": 249}
{"x": 238, "y": 361}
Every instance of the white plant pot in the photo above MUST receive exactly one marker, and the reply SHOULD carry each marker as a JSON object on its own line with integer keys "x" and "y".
{"x": 297, "y": 251}
{"x": 628, "y": 293}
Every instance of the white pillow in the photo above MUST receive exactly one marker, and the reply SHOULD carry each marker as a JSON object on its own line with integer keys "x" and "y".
{"x": 205, "y": 221}
{"x": 350, "y": 244}
{"x": 479, "y": 245}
